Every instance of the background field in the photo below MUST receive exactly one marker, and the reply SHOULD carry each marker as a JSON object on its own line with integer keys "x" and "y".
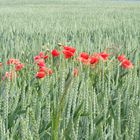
{"x": 100, "y": 106}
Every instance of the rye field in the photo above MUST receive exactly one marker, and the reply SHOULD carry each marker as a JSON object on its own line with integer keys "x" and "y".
{"x": 69, "y": 70}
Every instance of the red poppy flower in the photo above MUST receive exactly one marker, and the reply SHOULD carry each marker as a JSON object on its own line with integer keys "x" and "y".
{"x": 19, "y": 66}
{"x": 94, "y": 60}
{"x": 49, "y": 72}
{"x": 69, "y": 48}
{"x": 12, "y": 61}
{"x": 75, "y": 72}
{"x": 121, "y": 57}
{"x": 36, "y": 58}
{"x": 40, "y": 74}
{"x": 127, "y": 64}
{"x": 104, "y": 55}
{"x": 68, "y": 54}
{"x": 46, "y": 57}
{"x": 84, "y": 55}
{"x": 41, "y": 63}
{"x": 42, "y": 69}
{"x": 55, "y": 53}
{"x": 41, "y": 54}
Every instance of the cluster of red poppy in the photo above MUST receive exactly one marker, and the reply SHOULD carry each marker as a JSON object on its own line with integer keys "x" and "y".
{"x": 40, "y": 60}
{"x": 68, "y": 52}
{"x": 125, "y": 63}
{"x": 93, "y": 59}
{"x": 17, "y": 66}
{"x": 43, "y": 70}
{"x": 83, "y": 57}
